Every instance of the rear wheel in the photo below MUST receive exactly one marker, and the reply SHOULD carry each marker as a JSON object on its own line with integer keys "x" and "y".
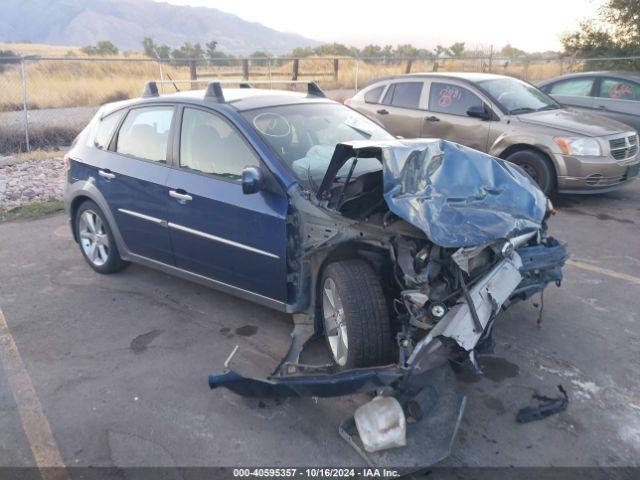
{"x": 355, "y": 315}
{"x": 538, "y": 167}
{"x": 96, "y": 239}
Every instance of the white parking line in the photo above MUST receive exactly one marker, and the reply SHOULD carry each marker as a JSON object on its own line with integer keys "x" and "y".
{"x": 604, "y": 271}
{"x": 34, "y": 422}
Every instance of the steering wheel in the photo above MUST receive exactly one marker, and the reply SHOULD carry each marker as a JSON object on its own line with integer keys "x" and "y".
{"x": 272, "y": 125}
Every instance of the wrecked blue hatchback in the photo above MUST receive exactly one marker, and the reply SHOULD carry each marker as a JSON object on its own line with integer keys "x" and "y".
{"x": 400, "y": 253}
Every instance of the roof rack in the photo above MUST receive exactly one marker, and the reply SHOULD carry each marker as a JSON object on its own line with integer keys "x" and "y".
{"x": 214, "y": 88}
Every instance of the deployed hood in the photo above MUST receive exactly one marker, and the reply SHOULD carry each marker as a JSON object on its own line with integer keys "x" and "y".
{"x": 458, "y": 196}
{"x": 575, "y": 121}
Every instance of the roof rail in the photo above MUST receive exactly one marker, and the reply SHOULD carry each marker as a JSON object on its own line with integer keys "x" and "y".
{"x": 214, "y": 87}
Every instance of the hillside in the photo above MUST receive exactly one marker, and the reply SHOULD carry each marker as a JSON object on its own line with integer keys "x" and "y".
{"x": 127, "y": 22}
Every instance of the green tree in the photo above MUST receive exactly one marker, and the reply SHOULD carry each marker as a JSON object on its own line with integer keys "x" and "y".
{"x": 615, "y": 32}
{"x": 457, "y": 49}
{"x": 371, "y": 51}
{"x": 188, "y": 50}
{"x": 338, "y": 49}
{"x": 4, "y": 62}
{"x": 152, "y": 50}
{"x": 103, "y": 47}
{"x": 211, "y": 49}
{"x": 301, "y": 52}
{"x": 509, "y": 51}
{"x": 260, "y": 54}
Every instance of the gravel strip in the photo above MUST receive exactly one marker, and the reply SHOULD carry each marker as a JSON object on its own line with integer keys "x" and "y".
{"x": 33, "y": 181}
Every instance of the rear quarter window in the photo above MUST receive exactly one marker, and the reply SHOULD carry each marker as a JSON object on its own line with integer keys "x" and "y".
{"x": 373, "y": 95}
{"x": 105, "y": 130}
{"x": 404, "y": 94}
{"x": 145, "y": 133}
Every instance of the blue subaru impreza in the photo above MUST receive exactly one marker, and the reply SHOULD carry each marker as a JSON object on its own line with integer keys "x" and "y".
{"x": 304, "y": 205}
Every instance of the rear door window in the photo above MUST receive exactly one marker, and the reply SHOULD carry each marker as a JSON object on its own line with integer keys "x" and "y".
{"x": 452, "y": 99}
{"x": 105, "y": 129}
{"x": 373, "y": 95}
{"x": 209, "y": 144}
{"x": 404, "y": 94}
{"x": 145, "y": 133}
{"x": 576, "y": 87}
{"x": 619, "y": 89}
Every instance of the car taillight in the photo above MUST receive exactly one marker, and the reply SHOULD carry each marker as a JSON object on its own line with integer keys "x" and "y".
{"x": 67, "y": 163}
{"x": 347, "y": 102}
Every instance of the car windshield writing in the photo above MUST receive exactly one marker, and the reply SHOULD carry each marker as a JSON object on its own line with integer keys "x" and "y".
{"x": 305, "y": 136}
{"x": 517, "y": 96}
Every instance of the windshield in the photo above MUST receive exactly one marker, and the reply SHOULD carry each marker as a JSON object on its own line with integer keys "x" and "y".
{"x": 305, "y": 136}
{"x": 517, "y": 96}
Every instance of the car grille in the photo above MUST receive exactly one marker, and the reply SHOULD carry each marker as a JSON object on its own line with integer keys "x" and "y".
{"x": 624, "y": 148}
{"x": 598, "y": 180}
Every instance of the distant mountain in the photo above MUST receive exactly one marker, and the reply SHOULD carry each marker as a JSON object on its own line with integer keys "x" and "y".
{"x": 127, "y": 22}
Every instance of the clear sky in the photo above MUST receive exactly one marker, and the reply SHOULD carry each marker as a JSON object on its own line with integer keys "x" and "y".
{"x": 532, "y": 25}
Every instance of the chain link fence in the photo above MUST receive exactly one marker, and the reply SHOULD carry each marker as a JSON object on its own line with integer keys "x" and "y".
{"x": 45, "y": 102}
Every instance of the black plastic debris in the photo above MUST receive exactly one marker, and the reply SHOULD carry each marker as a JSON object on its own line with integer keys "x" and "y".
{"x": 548, "y": 406}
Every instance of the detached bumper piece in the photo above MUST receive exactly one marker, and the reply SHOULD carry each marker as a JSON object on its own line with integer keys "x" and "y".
{"x": 541, "y": 265}
{"x": 308, "y": 385}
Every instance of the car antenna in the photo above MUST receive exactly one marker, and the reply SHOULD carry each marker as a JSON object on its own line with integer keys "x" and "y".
{"x": 173, "y": 83}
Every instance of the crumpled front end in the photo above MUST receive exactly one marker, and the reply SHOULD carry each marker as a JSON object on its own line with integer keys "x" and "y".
{"x": 461, "y": 236}
{"x": 481, "y": 244}
{"x": 459, "y": 197}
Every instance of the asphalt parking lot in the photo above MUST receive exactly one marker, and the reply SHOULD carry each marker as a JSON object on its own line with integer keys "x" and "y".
{"x": 114, "y": 368}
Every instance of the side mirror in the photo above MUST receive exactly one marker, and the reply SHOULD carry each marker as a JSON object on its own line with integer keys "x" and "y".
{"x": 481, "y": 112}
{"x": 252, "y": 180}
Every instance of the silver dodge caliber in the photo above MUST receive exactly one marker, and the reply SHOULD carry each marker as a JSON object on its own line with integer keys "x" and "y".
{"x": 562, "y": 149}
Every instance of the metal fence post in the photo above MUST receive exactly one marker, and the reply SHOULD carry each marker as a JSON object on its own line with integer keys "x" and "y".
{"x": 25, "y": 104}
{"x": 161, "y": 75}
{"x": 269, "y": 67}
{"x": 357, "y": 72}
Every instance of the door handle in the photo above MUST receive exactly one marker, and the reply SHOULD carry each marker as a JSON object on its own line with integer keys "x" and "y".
{"x": 106, "y": 174}
{"x": 432, "y": 118}
{"x": 181, "y": 197}
{"x": 601, "y": 107}
{"x": 382, "y": 111}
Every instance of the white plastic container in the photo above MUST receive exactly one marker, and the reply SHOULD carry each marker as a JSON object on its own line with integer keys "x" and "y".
{"x": 381, "y": 424}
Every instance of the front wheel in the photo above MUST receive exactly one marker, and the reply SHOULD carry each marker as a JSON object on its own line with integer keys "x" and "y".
{"x": 538, "y": 167}
{"x": 355, "y": 314}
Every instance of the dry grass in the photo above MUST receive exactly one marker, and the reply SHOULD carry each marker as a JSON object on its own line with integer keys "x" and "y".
{"x": 40, "y": 49}
{"x": 73, "y": 83}
{"x": 35, "y": 155}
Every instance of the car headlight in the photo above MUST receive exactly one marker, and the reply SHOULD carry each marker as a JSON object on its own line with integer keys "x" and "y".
{"x": 578, "y": 146}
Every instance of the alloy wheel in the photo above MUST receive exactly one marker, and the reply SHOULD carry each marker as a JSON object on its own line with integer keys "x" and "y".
{"x": 334, "y": 322}
{"x": 93, "y": 238}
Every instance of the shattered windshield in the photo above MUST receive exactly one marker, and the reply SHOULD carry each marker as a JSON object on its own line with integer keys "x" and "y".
{"x": 305, "y": 136}
{"x": 517, "y": 96}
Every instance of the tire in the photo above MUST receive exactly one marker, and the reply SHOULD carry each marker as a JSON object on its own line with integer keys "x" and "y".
{"x": 95, "y": 239}
{"x": 538, "y": 167}
{"x": 362, "y": 315}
